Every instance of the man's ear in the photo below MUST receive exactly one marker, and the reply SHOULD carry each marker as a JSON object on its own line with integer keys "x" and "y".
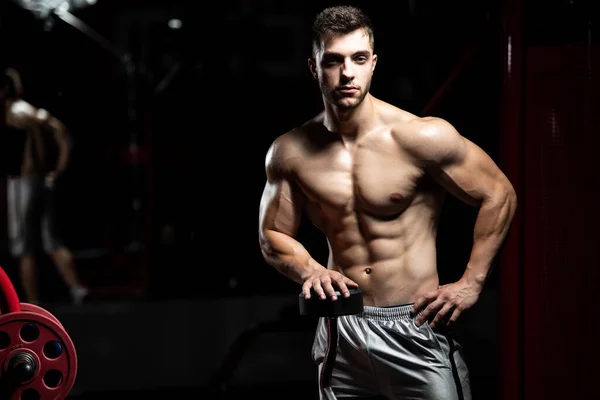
{"x": 312, "y": 65}
{"x": 375, "y": 58}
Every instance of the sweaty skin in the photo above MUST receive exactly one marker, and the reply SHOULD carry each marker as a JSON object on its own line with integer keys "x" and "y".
{"x": 373, "y": 178}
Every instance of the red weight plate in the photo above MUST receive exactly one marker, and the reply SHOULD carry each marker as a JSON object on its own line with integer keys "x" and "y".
{"x": 54, "y": 377}
{"x": 39, "y": 310}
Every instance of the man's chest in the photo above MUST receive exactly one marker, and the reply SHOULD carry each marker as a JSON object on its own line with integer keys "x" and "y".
{"x": 370, "y": 177}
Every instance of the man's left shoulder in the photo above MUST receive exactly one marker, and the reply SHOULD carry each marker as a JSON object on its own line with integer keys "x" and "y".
{"x": 433, "y": 129}
{"x": 43, "y": 115}
{"x": 428, "y": 137}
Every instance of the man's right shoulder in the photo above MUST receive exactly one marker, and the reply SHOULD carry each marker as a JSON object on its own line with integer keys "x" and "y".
{"x": 286, "y": 149}
{"x": 21, "y": 108}
{"x": 286, "y": 143}
{"x": 289, "y": 138}
{"x": 298, "y": 135}
{"x": 22, "y": 114}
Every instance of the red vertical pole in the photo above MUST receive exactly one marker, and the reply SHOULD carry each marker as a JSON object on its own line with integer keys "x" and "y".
{"x": 511, "y": 152}
{"x": 9, "y": 300}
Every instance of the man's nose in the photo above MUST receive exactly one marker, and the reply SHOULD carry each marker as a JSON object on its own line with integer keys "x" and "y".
{"x": 347, "y": 69}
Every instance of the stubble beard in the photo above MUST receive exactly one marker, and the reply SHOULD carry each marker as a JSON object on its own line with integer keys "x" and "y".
{"x": 342, "y": 102}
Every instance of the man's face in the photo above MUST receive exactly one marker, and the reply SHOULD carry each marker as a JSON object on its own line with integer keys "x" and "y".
{"x": 344, "y": 68}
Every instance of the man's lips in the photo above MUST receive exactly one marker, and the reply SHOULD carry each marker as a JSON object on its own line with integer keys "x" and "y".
{"x": 348, "y": 89}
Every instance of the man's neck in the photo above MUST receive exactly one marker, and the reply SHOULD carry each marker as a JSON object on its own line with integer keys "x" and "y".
{"x": 350, "y": 123}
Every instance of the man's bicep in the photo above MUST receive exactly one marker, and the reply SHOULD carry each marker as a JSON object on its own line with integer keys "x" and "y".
{"x": 472, "y": 177}
{"x": 280, "y": 207}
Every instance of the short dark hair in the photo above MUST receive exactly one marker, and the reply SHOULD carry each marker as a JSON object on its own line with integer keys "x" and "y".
{"x": 339, "y": 20}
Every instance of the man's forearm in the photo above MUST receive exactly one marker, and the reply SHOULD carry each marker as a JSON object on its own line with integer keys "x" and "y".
{"x": 287, "y": 255}
{"x": 491, "y": 226}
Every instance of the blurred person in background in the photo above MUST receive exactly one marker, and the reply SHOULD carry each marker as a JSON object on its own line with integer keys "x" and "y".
{"x": 30, "y": 195}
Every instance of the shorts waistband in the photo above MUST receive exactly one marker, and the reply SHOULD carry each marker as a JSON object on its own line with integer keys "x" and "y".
{"x": 387, "y": 313}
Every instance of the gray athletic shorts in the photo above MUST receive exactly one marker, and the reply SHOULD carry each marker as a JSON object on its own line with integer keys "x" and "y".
{"x": 382, "y": 354}
{"x": 31, "y": 216}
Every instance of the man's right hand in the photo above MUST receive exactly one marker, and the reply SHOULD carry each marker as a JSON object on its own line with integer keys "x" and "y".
{"x": 322, "y": 281}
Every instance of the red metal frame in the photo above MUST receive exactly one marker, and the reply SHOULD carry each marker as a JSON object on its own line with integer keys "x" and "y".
{"x": 511, "y": 160}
